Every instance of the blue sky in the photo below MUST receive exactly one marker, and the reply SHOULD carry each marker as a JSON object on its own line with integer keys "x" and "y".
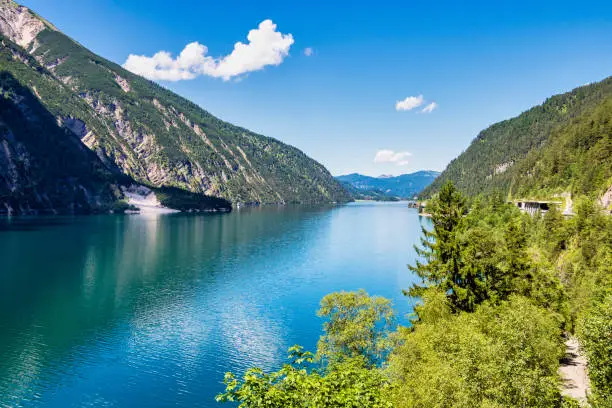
{"x": 480, "y": 62}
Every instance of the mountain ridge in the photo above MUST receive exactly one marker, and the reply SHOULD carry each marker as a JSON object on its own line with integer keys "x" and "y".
{"x": 560, "y": 146}
{"x": 402, "y": 186}
{"x": 139, "y": 129}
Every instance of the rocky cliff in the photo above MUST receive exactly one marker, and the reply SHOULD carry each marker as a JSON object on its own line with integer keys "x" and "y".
{"x": 140, "y": 130}
{"x": 43, "y": 167}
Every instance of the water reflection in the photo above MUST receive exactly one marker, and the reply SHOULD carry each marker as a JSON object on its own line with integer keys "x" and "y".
{"x": 151, "y": 310}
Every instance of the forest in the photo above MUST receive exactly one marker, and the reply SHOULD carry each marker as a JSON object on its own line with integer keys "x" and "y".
{"x": 155, "y": 137}
{"x": 498, "y": 293}
{"x": 561, "y": 146}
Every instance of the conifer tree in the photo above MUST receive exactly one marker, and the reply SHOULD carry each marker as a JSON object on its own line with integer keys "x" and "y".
{"x": 441, "y": 248}
{"x": 517, "y": 270}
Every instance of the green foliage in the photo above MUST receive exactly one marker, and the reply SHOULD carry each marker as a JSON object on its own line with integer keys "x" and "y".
{"x": 576, "y": 157}
{"x": 357, "y": 325}
{"x": 580, "y": 250}
{"x": 498, "y": 356}
{"x": 179, "y": 199}
{"x": 568, "y": 402}
{"x": 483, "y": 254}
{"x": 343, "y": 374}
{"x": 296, "y": 385}
{"x": 596, "y": 335}
{"x": 442, "y": 250}
{"x": 565, "y": 144}
{"x": 157, "y": 133}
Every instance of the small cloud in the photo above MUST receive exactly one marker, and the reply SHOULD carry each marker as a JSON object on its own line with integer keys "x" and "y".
{"x": 265, "y": 46}
{"x": 390, "y": 156}
{"x": 308, "y": 51}
{"x": 429, "y": 108}
{"x": 409, "y": 103}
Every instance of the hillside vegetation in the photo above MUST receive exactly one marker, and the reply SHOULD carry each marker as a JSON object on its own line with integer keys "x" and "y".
{"x": 563, "y": 145}
{"x": 43, "y": 166}
{"x": 371, "y": 194}
{"x": 147, "y": 133}
{"x": 496, "y": 290}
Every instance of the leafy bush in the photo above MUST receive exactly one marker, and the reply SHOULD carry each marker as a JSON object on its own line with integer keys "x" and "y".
{"x": 596, "y": 335}
{"x": 498, "y": 356}
{"x": 347, "y": 384}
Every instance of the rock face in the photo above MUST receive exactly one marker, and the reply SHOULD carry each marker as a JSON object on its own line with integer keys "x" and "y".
{"x": 606, "y": 200}
{"x": 18, "y": 24}
{"x": 44, "y": 168}
{"x": 149, "y": 134}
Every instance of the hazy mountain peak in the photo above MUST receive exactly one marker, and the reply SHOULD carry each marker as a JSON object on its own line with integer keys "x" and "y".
{"x": 404, "y": 185}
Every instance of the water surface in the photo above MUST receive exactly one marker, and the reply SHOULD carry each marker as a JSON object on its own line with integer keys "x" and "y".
{"x": 126, "y": 311}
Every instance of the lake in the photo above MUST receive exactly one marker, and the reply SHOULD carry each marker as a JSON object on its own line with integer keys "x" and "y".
{"x": 152, "y": 310}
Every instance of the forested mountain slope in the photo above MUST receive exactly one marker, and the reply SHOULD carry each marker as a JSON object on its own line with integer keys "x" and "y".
{"x": 143, "y": 131}
{"x": 43, "y": 166}
{"x": 563, "y": 145}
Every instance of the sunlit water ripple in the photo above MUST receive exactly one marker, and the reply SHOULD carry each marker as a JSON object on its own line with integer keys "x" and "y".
{"x": 125, "y": 311}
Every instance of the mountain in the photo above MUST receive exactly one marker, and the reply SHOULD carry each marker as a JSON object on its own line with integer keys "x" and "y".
{"x": 41, "y": 165}
{"x": 561, "y": 146}
{"x": 136, "y": 130}
{"x": 370, "y": 194}
{"x": 403, "y": 186}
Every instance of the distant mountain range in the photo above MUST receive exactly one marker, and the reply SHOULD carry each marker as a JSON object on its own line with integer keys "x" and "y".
{"x": 387, "y": 187}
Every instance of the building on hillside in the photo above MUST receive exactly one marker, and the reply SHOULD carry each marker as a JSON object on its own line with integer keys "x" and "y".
{"x": 534, "y": 206}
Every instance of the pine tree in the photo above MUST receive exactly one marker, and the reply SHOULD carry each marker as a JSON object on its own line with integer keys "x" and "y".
{"x": 442, "y": 248}
{"x": 517, "y": 268}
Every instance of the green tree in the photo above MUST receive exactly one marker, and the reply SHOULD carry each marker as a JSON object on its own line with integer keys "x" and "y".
{"x": 343, "y": 374}
{"x": 480, "y": 258}
{"x": 517, "y": 268}
{"x": 553, "y": 234}
{"x": 503, "y": 355}
{"x": 442, "y": 250}
{"x": 297, "y": 385}
{"x": 596, "y": 335}
{"x": 358, "y": 325}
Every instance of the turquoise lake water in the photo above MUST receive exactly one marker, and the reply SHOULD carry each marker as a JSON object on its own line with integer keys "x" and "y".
{"x": 139, "y": 310}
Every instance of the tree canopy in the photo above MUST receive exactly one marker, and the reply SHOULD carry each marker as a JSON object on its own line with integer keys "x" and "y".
{"x": 499, "y": 290}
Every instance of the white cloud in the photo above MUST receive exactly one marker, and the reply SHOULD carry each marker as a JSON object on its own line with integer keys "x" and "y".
{"x": 389, "y": 156}
{"x": 308, "y": 51}
{"x": 409, "y": 103}
{"x": 429, "y": 108}
{"x": 265, "y": 46}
